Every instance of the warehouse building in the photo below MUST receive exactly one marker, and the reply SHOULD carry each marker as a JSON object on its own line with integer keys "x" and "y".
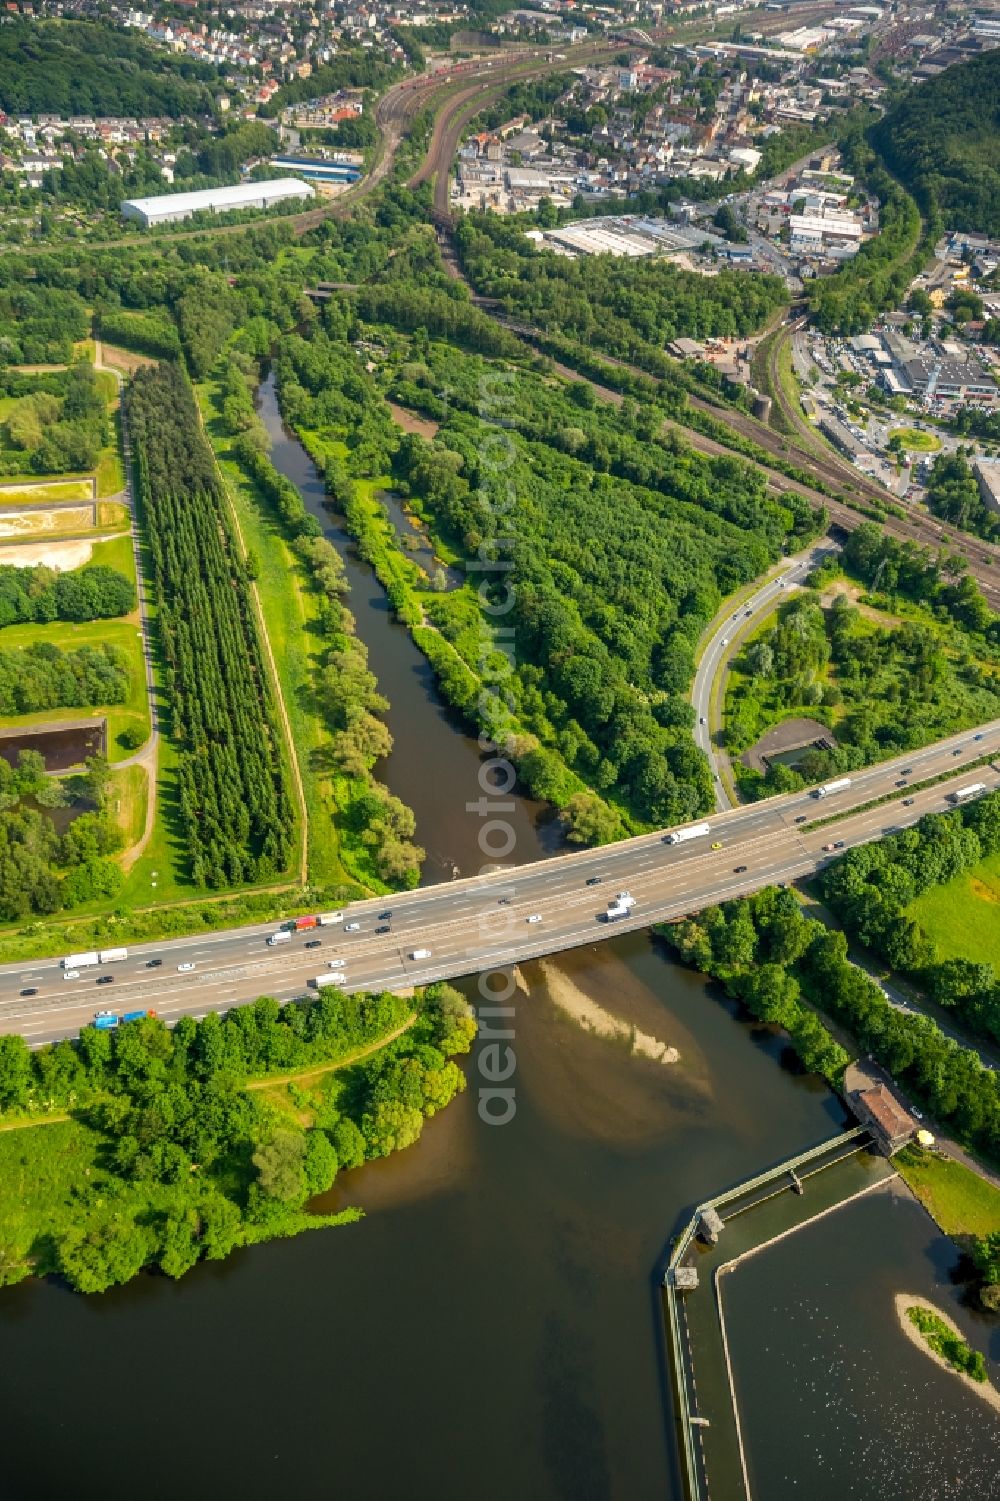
{"x": 943, "y": 378}
{"x": 987, "y": 473}
{"x": 172, "y": 207}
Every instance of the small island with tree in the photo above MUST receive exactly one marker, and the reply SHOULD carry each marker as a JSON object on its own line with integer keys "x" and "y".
{"x": 933, "y": 1332}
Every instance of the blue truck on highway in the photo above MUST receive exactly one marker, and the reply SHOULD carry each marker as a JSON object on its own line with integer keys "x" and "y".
{"x": 106, "y": 1021}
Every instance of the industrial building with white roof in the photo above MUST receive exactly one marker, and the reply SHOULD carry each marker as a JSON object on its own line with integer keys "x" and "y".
{"x": 172, "y": 207}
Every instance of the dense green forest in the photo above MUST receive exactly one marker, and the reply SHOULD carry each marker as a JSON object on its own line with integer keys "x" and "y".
{"x": 622, "y": 546}
{"x": 42, "y": 676}
{"x": 38, "y": 323}
{"x": 93, "y": 592}
{"x": 47, "y": 433}
{"x": 870, "y": 888}
{"x": 42, "y": 871}
{"x": 169, "y": 1157}
{"x": 88, "y": 68}
{"x": 234, "y": 799}
{"x": 943, "y": 141}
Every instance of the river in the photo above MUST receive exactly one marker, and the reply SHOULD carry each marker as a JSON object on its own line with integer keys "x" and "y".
{"x": 434, "y": 765}
{"x": 492, "y": 1327}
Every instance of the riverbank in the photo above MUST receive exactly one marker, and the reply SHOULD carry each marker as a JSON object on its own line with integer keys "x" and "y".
{"x": 905, "y": 1303}
{"x": 263, "y": 1110}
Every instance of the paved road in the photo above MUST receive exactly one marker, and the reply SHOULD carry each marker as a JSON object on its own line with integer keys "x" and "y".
{"x": 148, "y": 754}
{"x": 466, "y": 928}
{"x": 730, "y": 629}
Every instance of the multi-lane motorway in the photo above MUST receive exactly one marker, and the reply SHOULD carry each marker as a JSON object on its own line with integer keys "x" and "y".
{"x": 477, "y": 924}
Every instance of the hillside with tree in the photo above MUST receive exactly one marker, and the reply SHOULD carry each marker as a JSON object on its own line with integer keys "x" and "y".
{"x": 943, "y": 141}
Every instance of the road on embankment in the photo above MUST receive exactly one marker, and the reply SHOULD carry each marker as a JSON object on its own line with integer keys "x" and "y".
{"x": 726, "y": 638}
{"x": 477, "y": 924}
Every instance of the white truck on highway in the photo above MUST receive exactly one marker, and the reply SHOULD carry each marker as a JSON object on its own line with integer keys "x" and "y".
{"x": 620, "y": 907}
{"x": 282, "y": 936}
{"x": 840, "y": 785}
{"x": 320, "y": 982}
{"x": 327, "y": 919}
{"x": 88, "y": 960}
{"x": 693, "y": 831}
{"x": 420, "y": 954}
{"x": 81, "y": 961}
{"x": 963, "y": 794}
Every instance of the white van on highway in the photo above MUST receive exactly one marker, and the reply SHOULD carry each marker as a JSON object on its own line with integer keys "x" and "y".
{"x": 420, "y": 954}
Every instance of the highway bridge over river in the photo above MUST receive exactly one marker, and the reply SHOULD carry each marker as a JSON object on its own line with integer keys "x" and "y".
{"x": 505, "y": 915}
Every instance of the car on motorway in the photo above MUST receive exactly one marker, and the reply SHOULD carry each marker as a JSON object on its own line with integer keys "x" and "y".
{"x": 105, "y": 980}
{"x": 352, "y": 927}
{"x": 183, "y": 969}
{"x": 901, "y": 782}
{"x": 315, "y": 943}
{"x": 724, "y": 641}
{"x": 335, "y": 963}
{"x": 383, "y": 928}
{"x": 957, "y": 751}
{"x": 748, "y": 613}
{"x": 839, "y": 844}
{"x": 738, "y": 870}
{"x": 384, "y": 916}
{"x": 975, "y": 737}
{"x": 594, "y": 880}
{"x": 802, "y": 818}
{"x": 534, "y": 917}
{"x": 908, "y": 802}
{"x": 717, "y": 845}
{"x": 907, "y": 771}
{"x": 154, "y": 963}
{"x": 30, "y": 990}
{"x": 828, "y": 847}
{"x": 702, "y": 719}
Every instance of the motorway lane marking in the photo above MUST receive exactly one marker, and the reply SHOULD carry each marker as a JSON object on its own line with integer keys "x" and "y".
{"x": 647, "y": 851}
{"x": 870, "y": 825}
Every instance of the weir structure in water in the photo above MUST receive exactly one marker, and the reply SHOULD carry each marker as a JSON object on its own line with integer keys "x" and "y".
{"x": 711, "y": 1443}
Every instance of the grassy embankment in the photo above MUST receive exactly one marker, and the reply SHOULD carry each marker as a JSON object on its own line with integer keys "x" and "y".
{"x": 963, "y": 916}
{"x": 291, "y": 608}
{"x": 960, "y": 1202}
